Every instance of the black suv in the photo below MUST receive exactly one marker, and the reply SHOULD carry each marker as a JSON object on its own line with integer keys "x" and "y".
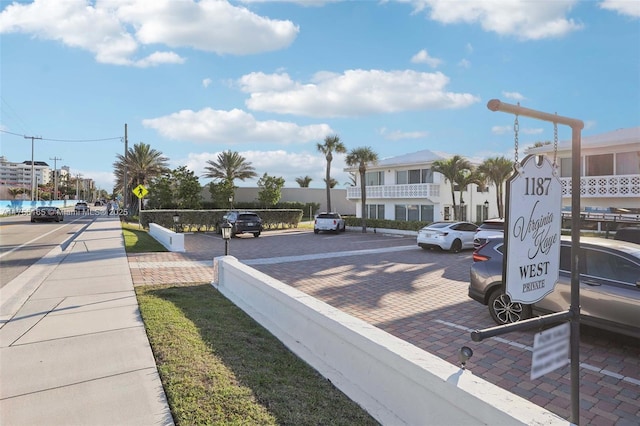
{"x": 242, "y": 222}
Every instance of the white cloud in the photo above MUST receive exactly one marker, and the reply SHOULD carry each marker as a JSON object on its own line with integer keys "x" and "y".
{"x": 501, "y": 130}
{"x": 352, "y": 93}
{"x": 399, "y": 135}
{"x": 513, "y": 95}
{"x": 278, "y": 163}
{"x": 464, "y": 63}
{"x": 233, "y": 127}
{"x": 114, "y": 30}
{"x": 206, "y": 82}
{"x": 523, "y": 19}
{"x": 623, "y": 7}
{"x": 422, "y": 57}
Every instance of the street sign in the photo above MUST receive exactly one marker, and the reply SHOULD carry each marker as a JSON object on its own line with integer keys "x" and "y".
{"x": 550, "y": 350}
{"x": 140, "y": 191}
{"x": 532, "y": 232}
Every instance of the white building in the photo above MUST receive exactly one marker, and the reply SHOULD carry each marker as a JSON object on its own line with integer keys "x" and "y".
{"x": 609, "y": 171}
{"x": 406, "y": 188}
{"x": 18, "y": 175}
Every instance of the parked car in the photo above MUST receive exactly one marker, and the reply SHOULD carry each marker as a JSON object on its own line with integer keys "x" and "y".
{"x": 452, "y": 236}
{"x": 609, "y": 284}
{"x": 329, "y": 221}
{"x": 488, "y": 228}
{"x": 242, "y": 222}
{"x": 47, "y": 213}
{"x": 630, "y": 233}
{"x": 81, "y": 207}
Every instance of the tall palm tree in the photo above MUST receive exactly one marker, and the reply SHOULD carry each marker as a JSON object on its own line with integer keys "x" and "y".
{"x": 229, "y": 167}
{"x": 304, "y": 181}
{"x": 497, "y": 170}
{"x": 331, "y": 144}
{"x": 450, "y": 169}
{"x": 143, "y": 164}
{"x": 361, "y": 157}
{"x": 332, "y": 182}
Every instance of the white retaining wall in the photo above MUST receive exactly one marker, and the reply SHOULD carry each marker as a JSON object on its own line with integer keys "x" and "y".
{"x": 173, "y": 241}
{"x": 393, "y": 380}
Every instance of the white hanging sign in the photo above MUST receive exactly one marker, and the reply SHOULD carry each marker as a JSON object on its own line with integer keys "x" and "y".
{"x": 534, "y": 216}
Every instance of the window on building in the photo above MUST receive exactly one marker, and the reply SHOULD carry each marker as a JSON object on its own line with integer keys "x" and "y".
{"x": 414, "y": 212}
{"x": 599, "y": 165}
{"x": 402, "y": 177}
{"x": 375, "y": 211}
{"x": 415, "y": 176}
{"x": 628, "y": 163}
{"x": 374, "y": 178}
{"x": 565, "y": 167}
{"x": 426, "y": 213}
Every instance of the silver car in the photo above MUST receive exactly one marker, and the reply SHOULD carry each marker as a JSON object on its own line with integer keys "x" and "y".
{"x": 452, "y": 236}
{"x": 609, "y": 285}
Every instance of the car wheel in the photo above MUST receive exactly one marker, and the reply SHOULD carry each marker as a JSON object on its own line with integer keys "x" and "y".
{"x": 256, "y": 234}
{"x": 456, "y": 246}
{"x": 504, "y": 311}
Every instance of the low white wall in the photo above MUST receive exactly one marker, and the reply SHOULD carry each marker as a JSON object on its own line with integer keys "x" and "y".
{"x": 393, "y": 380}
{"x": 173, "y": 241}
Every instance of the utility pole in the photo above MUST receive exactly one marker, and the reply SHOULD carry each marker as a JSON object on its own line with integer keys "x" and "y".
{"x": 78, "y": 176}
{"x": 124, "y": 185}
{"x": 32, "y": 164}
{"x": 55, "y": 176}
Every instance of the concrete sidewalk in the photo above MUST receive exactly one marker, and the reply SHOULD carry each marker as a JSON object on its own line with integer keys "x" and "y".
{"x": 73, "y": 348}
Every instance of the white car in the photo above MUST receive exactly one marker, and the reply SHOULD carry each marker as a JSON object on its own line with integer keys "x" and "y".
{"x": 452, "y": 236}
{"x": 329, "y": 222}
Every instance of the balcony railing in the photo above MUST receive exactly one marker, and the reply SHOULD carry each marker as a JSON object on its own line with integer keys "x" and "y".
{"x": 414, "y": 190}
{"x": 604, "y": 186}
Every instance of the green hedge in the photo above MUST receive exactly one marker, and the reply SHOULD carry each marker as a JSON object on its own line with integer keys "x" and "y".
{"x": 386, "y": 223}
{"x": 206, "y": 220}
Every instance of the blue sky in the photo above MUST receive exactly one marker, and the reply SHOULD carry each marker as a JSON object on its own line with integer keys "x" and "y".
{"x": 271, "y": 79}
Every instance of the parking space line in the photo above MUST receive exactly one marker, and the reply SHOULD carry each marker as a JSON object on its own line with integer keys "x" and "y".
{"x": 302, "y": 258}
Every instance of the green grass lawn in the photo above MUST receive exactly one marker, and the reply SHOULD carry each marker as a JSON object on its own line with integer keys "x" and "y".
{"x": 138, "y": 240}
{"x": 219, "y": 367}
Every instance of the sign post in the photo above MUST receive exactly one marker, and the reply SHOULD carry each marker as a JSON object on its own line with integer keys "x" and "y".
{"x": 573, "y": 314}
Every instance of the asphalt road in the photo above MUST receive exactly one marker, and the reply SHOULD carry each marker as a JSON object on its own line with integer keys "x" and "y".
{"x": 23, "y": 243}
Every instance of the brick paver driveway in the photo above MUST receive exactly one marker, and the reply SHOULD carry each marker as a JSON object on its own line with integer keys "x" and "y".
{"x": 421, "y": 297}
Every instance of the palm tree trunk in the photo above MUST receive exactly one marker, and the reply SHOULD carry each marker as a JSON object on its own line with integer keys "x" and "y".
{"x": 363, "y": 198}
{"x": 453, "y": 197}
{"x": 327, "y": 181}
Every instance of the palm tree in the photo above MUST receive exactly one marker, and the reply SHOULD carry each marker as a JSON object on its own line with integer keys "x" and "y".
{"x": 497, "y": 170}
{"x": 331, "y": 143}
{"x": 143, "y": 164}
{"x": 304, "y": 181}
{"x": 230, "y": 166}
{"x": 451, "y": 169}
{"x": 332, "y": 182}
{"x": 361, "y": 157}
{"x": 465, "y": 178}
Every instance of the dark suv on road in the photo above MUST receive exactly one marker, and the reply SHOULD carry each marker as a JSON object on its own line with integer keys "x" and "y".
{"x": 242, "y": 222}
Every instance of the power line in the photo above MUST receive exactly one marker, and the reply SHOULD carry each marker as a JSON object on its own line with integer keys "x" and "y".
{"x": 67, "y": 140}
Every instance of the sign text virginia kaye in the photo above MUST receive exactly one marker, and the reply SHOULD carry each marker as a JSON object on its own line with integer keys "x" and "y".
{"x": 533, "y": 227}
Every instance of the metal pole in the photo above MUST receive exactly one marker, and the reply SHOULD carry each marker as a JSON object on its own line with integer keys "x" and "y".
{"x": 574, "y": 309}
{"x": 126, "y": 149}
{"x": 226, "y": 247}
{"x": 32, "y": 164}
{"x": 55, "y": 176}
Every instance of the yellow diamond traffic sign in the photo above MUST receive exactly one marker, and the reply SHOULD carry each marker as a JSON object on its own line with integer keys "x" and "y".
{"x": 140, "y": 191}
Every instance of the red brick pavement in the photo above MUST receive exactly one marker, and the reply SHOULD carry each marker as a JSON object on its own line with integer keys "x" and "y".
{"x": 420, "y": 297}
